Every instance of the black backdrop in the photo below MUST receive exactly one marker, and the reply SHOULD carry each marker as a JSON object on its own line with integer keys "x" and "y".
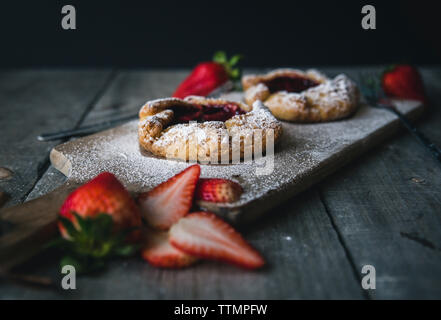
{"x": 179, "y": 34}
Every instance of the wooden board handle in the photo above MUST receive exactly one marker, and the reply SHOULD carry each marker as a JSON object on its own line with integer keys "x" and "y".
{"x": 33, "y": 225}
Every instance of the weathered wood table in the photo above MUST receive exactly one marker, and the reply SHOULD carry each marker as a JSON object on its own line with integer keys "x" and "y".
{"x": 384, "y": 209}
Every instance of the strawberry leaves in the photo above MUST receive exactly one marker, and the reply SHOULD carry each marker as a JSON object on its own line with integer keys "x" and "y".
{"x": 229, "y": 64}
{"x": 209, "y": 75}
{"x": 92, "y": 242}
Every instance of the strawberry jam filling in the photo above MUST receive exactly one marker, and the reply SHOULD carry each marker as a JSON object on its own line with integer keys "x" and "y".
{"x": 201, "y": 113}
{"x": 290, "y": 84}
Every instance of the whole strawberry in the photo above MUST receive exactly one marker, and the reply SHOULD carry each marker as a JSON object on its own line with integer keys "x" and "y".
{"x": 207, "y": 76}
{"x": 96, "y": 222}
{"x": 405, "y": 82}
{"x": 103, "y": 194}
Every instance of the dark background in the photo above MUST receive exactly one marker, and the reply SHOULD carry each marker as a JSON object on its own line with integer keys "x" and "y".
{"x": 179, "y": 34}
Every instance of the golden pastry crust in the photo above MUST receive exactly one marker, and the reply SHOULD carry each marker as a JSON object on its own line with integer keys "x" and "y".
{"x": 325, "y": 100}
{"x": 206, "y": 142}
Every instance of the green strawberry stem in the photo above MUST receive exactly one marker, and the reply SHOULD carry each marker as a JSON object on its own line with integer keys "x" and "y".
{"x": 93, "y": 242}
{"x": 229, "y": 64}
{"x": 389, "y": 68}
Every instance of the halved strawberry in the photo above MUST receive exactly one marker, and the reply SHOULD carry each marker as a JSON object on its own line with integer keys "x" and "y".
{"x": 159, "y": 253}
{"x": 171, "y": 200}
{"x": 218, "y": 190}
{"x": 204, "y": 235}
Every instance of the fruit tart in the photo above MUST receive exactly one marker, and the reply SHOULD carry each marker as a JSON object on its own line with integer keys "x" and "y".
{"x": 206, "y": 130}
{"x": 302, "y": 96}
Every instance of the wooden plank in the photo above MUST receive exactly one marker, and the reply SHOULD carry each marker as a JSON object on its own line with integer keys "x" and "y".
{"x": 386, "y": 208}
{"x": 306, "y": 259}
{"x": 32, "y": 102}
{"x": 127, "y": 92}
{"x": 131, "y": 89}
{"x": 33, "y": 226}
{"x": 12, "y": 241}
{"x": 50, "y": 180}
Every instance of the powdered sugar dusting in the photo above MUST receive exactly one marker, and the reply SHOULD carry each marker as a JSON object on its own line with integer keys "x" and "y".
{"x": 335, "y": 93}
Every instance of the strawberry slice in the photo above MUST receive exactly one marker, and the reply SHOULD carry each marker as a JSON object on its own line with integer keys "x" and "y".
{"x": 162, "y": 206}
{"x": 158, "y": 252}
{"x": 204, "y": 235}
{"x": 218, "y": 190}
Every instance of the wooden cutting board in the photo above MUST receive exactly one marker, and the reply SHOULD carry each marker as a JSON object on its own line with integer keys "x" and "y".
{"x": 306, "y": 154}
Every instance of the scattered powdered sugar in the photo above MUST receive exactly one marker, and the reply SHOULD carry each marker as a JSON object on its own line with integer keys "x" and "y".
{"x": 304, "y": 149}
{"x": 185, "y": 131}
{"x": 330, "y": 93}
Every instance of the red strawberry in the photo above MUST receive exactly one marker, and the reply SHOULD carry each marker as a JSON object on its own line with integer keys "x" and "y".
{"x": 218, "y": 190}
{"x": 171, "y": 200}
{"x": 102, "y": 195}
{"x": 204, "y": 235}
{"x": 159, "y": 253}
{"x": 403, "y": 81}
{"x": 207, "y": 76}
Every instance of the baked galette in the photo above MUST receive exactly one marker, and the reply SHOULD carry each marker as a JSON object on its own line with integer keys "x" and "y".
{"x": 302, "y": 96}
{"x": 205, "y": 130}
